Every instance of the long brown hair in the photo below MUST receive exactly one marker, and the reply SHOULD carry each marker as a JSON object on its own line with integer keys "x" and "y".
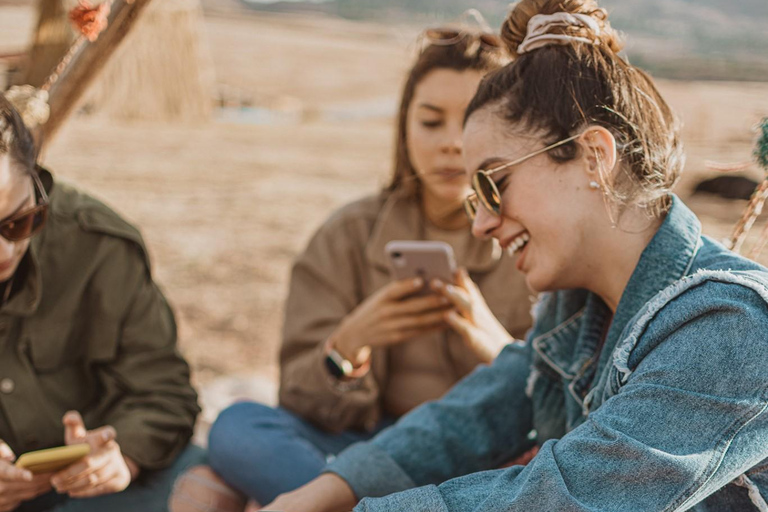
{"x": 560, "y": 88}
{"x": 465, "y": 54}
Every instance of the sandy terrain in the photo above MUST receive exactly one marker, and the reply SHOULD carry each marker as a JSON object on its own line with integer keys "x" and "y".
{"x": 226, "y": 206}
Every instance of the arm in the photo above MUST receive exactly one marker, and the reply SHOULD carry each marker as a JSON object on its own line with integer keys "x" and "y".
{"x": 326, "y": 284}
{"x": 146, "y": 396}
{"x": 692, "y": 416}
{"x": 481, "y": 423}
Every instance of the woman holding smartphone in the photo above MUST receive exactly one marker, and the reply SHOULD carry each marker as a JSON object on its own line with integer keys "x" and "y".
{"x": 361, "y": 349}
{"x": 643, "y": 379}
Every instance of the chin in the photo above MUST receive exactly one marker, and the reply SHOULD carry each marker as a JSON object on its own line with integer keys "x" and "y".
{"x": 7, "y": 273}
{"x": 539, "y": 284}
{"x": 450, "y": 194}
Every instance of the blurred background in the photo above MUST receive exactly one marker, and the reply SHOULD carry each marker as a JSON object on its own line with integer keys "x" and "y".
{"x": 228, "y": 130}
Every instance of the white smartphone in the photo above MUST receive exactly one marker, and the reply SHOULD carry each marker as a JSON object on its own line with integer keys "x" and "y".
{"x": 429, "y": 260}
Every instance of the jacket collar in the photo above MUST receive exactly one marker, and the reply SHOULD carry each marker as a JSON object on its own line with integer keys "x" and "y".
{"x": 667, "y": 258}
{"x": 27, "y": 299}
{"x": 400, "y": 218}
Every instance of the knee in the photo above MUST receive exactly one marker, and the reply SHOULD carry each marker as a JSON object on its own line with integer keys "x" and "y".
{"x": 239, "y": 432}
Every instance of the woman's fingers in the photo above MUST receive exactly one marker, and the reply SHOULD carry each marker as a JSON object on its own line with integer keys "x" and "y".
{"x": 6, "y": 453}
{"x": 400, "y": 289}
{"x": 74, "y": 428}
{"x": 406, "y": 323}
{"x": 459, "y": 324}
{"x": 418, "y": 305}
{"x": 458, "y": 296}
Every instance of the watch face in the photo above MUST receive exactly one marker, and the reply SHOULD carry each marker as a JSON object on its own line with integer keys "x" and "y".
{"x": 333, "y": 367}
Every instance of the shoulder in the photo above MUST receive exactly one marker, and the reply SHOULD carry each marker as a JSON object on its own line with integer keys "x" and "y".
{"x": 704, "y": 315}
{"x": 353, "y": 223}
{"x": 362, "y": 212}
{"x": 81, "y": 225}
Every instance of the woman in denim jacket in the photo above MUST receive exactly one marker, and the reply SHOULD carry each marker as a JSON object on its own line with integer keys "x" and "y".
{"x": 644, "y": 379}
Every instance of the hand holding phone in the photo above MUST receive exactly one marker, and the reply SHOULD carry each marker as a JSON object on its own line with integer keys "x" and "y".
{"x": 471, "y": 317}
{"x": 402, "y": 310}
{"x": 103, "y": 471}
{"x": 17, "y": 484}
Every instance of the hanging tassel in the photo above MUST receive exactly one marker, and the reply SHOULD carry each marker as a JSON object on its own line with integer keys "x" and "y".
{"x": 30, "y": 103}
{"x": 90, "y": 21}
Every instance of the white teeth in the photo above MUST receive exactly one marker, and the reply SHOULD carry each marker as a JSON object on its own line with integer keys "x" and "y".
{"x": 518, "y": 243}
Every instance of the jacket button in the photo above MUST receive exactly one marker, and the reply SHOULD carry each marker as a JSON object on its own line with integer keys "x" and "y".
{"x": 7, "y": 386}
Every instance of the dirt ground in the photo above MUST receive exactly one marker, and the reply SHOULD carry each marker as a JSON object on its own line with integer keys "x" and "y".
{"x": 226, "y": 206}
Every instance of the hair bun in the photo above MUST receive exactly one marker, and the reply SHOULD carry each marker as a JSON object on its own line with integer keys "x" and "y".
{"x": 515, "y": 27}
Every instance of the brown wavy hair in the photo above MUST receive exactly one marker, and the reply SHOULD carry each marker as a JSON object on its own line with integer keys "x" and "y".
{"x": 15, "y": 138}
{"x": 465, "y": 54}
{"x": 561, "y": 88}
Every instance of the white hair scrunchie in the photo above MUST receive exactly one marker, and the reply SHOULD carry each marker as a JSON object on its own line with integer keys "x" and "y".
{"x": 538, "y": 34}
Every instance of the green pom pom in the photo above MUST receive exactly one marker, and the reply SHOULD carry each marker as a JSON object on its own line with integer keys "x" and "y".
{"x": 761, "y": 148}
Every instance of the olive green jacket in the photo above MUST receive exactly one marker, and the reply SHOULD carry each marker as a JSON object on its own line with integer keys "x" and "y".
{"x": 87, "y": 329}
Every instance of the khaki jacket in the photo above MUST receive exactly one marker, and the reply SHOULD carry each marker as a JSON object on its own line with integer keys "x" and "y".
{"x": 344, "y": 263}
{"x": 86, "y": 328}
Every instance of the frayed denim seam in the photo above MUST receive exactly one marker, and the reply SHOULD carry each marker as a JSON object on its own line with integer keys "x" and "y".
{"x": 656, "y": 304}
{"x": 754, "y": 493}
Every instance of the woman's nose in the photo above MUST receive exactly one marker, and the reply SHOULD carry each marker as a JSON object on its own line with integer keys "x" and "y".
{"x": 485, "y": 223}
{"x": 453, "y": 141}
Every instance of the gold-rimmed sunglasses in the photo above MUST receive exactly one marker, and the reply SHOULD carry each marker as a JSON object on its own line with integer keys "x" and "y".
{"x": 485, "y": 190}
{"x": 28, "y": 222}
{"x": 446, "y": 36}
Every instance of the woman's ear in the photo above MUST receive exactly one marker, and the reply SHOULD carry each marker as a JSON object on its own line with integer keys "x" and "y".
{"x": 600, "y": 153}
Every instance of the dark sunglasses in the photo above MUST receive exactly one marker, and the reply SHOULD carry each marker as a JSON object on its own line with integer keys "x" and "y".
{"x": 445, "y": 36}
{"x": 28, "y": 222}
{"x": 485, "y": 190}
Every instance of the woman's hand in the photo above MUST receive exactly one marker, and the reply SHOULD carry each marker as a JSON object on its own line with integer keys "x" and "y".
{"x": 326, "y": 493}
{"x": 104, "y": 471}
{"x": 16, "y": 484}
{"x": 472, "y": 318}
{"x": 389, "y": 317}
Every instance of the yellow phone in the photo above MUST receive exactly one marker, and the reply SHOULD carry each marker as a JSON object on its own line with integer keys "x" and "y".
{"x": 53, "y": 459}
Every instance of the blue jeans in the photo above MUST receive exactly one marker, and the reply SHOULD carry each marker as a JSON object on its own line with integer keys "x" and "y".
{"x": 149, "y": 493}
{"x": 264, "y": 452}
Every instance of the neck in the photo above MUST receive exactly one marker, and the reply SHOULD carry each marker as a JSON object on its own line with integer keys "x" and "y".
{"x": 441, "y": 214}
{"x": 616, "y": 255}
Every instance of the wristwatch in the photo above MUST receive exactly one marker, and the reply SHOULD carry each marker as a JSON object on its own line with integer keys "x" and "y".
{"x": 340, "y": 367}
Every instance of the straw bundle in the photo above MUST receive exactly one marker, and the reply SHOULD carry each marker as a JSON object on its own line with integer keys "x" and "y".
{"x": 163, "y": 71}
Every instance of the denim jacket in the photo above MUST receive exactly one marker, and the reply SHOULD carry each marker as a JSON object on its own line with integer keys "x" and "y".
{"x": 669, "y": 414}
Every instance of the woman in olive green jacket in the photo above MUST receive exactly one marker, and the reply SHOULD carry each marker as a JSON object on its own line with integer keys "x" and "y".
{"x": 87, "y": 348}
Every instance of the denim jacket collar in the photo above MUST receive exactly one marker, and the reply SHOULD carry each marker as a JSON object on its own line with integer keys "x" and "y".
{"x": 571, "y": 346}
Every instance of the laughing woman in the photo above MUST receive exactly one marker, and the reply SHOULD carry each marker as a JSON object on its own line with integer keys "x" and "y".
{"x": 643, "y": 379}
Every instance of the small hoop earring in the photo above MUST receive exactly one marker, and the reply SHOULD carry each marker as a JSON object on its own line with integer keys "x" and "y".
{"x": 594, "y": 185}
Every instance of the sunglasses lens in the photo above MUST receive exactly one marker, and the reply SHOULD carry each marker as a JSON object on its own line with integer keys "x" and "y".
{"x": 24, "y": 226}
{"x": 487, "y": 192}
